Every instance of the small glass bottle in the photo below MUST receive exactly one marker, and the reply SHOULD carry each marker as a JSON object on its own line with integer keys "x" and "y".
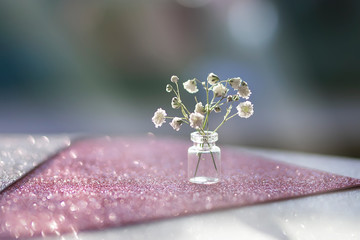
{"x": 204, "y": 158}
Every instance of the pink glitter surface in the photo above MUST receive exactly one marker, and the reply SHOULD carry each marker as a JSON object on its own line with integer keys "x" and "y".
{"x": 111, "y": 182}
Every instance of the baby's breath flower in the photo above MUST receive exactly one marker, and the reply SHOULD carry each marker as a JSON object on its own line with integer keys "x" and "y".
{"x": 176, "y": 123}
{"x": 245, "y": 109}
{"x": 212, "y": 78}
{"x": 207, "y": 108}
{"x": 199, "y": 108}
{"x": 169, "y": 88}
{"x": 196, "y": 120}
{"x": 175, "y": 103}
{"x": 174, "y": 79}
{"x": 159, "y": 117}
{"x": 220, "y": 90}
{"x": 235, "y": 82}
{"x": 190, "y": 86}
{"x": 244, "y": 90}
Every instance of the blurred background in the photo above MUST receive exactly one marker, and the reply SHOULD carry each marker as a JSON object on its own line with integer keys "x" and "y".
{"x": 101, "y": 67}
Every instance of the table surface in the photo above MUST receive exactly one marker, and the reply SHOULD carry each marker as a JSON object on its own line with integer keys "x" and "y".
{"x": 325, "y": 216}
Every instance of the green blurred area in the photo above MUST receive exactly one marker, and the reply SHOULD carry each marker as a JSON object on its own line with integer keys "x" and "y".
{"x": 102, "y": 67}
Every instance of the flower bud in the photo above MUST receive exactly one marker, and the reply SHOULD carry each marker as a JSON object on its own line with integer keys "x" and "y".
{"x": 169, "y": 88}
{"x": 212, "y": 79}
{"x": 217, "y": 109}
{"x": 236, "y": 97}
{"x": 175, "y": 103}
{"x": 174, "y": 79}
{"x": 229, "y": 98}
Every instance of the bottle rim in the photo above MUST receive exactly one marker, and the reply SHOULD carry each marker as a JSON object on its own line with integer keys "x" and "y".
{"x": 208, "y": 137}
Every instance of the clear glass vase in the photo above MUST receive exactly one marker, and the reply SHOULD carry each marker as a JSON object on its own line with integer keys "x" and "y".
{"x": 204, "y": 158}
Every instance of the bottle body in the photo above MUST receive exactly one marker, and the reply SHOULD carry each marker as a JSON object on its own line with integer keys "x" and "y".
{"x": 204, "y": 159}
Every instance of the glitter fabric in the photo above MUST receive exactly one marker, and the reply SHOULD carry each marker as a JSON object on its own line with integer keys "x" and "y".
{"x": 111, "y": 182}
{"x": 19, "y": 154}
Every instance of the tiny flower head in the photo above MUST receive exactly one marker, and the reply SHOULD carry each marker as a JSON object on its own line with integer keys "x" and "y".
{"x": 212, "y": 79}
{"x": 220, "y": 90}
{"x": 245, "y": 109}
{"x": 199, "y": 108}
{"x": 217, "y": 109}
{"x": 207, "y": 108}
{"x": 235, "y": 97}
{"x": 229, "y": 98}
{"x": 196, "y": 120}
{"x": 175, "y": 103}
{"x": 244, "y": 90}
{"x": 235, "y": 82}
{"x": 169, "y": 88}
{"x": 190, "y": 86}
{"x": 159, "y": 117}
{"x": 174, "y": 79}
{"x": 176, "y": 123}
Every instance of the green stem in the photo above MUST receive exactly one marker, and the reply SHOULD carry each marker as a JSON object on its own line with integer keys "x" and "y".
{"x": 206, "y": 120}
{"x": 207, "y": 104}
{"x": 183, "y": 106}
{"x": 198, "y": 162}
{"x": 212, "y": 156}
{"x": 177, "y": 89}
{"x": 217, "y": 103}
{"x": 197, "y": 165}
{"x": 225, "y": 119}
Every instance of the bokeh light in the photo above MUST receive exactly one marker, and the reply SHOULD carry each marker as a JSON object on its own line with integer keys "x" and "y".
{"x": 101, "y": 67}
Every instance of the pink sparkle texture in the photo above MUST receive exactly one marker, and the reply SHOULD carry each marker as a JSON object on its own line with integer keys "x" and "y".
{"x": 109, "y": 182}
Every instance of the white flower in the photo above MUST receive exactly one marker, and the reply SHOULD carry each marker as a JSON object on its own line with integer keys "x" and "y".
{"x": 244, "y": 90}
{"x": 219, "y": 90}
{"x": 212, "y": 78}
{"x": 175, "y": 103}
{"x": 190, "y": 86}
{"x": 159, "y": 117}
{"x": 235, "y": 82}
{"x": 176, "y": 123}
{"x": 196, "y": 120}
{"x": 174, "y": 79}
{"x": 245, "y": 109}
{"x": 199, "y": 108}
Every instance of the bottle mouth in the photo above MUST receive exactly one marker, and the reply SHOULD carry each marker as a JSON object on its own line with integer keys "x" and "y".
{"x": 207, "y": 137}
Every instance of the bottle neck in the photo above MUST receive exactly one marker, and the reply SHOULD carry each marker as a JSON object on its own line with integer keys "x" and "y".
{"x": 204, "y": 145}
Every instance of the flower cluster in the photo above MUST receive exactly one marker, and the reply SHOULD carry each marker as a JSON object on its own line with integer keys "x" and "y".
{"x": 199, "y": 118}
